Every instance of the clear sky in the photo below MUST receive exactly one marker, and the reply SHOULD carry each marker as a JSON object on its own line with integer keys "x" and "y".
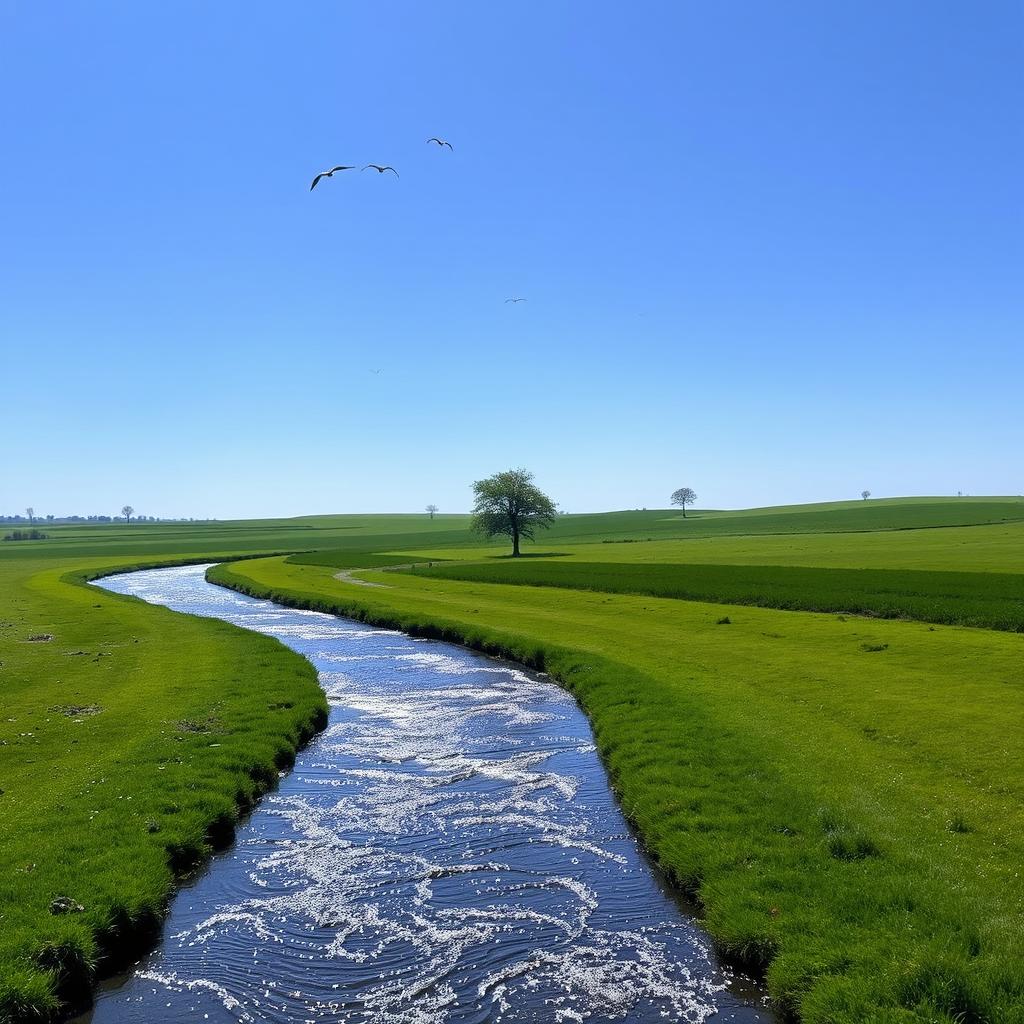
{"x": 771, "y": 251}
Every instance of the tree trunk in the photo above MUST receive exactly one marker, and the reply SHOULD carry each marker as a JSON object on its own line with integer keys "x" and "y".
{"x": 684, "y": 511}
{"x": 515, "y": 543}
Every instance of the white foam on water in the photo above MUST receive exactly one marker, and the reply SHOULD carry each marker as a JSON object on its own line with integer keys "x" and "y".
{"x": 171, "y": 981}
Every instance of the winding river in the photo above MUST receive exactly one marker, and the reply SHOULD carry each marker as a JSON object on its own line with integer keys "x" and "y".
{"x": 448, "y": 850}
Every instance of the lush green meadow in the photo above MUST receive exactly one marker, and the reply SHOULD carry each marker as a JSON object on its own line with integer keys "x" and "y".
{"x": 843, "y": 795}
{"x": 990, "y": 600}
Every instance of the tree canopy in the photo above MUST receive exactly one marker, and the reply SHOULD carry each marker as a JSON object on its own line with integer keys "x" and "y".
{"x": 509, "y": 504}
{"x": 684, "y": 496}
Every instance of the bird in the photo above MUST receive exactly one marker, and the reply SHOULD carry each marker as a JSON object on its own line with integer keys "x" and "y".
{"x": 330, "y": 173}
{"x": 377, "y": 371}
{"x": 515, "y": 300}
{"x": 381, "y": 170}
{"x": 441, "y": 142}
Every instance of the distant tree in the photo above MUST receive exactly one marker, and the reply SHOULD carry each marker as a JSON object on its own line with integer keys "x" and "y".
{"x": 865, "y": 495}
{"x": 127, "y": 513}
{"x": 683, "y": 497}
{"x": 432, "y": 509}
{"x": 31, "y": 513}
{"x": 508, "y": 504}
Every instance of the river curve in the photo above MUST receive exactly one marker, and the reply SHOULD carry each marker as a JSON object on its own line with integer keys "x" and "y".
{"x": 448, "y": 850}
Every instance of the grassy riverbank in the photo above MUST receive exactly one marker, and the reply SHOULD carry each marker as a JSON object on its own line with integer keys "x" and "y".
{"x": 844, "y": 797}
{"x": 131, "y": 738}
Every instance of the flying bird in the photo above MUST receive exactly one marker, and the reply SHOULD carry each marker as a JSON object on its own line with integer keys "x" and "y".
{"x": 515, "y": 300}
{"x": 329, "y": 174}
{"x": 381, "y": 170}
{"x": 441, "y": 142}
{"x": 377, "y": 371}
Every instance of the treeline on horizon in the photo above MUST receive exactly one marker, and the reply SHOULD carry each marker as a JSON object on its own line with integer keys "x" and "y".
{"x": 52, "y": 520}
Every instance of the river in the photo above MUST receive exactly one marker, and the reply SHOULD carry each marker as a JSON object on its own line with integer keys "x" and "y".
{"x": 447, "y": 850}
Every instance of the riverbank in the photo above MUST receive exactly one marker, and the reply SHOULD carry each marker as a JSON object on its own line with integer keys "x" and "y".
{"x": 827, "y": 789}
{"x": 133, "y": 739}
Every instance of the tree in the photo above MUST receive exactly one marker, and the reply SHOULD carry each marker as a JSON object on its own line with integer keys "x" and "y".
{"x": 508, "y": 504}
{"x": 431, "y": 509}
{"x": 127, "y": 513}
{"x": 865, "y": 495}
{"x": 31, "y": 513}
{"x": 683, "y": 497}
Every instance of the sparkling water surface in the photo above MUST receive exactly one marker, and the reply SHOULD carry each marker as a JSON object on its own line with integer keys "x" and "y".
{"x": 448, "y": 850}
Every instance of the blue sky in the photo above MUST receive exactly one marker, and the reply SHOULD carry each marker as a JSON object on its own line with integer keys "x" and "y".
{"x": 772, "y": 251}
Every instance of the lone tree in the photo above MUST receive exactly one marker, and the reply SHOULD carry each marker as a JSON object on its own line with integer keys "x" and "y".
{"x": 508, "y": 504}
{"x": 431, "y": 509}
{"x": 865, "y": 495}
{"x": 683, "y": 497}
{"x": 127, "y": 513}
{"x": 31, "y": 513}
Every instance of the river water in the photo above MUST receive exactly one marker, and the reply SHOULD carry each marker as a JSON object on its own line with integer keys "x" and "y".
{"x": 448, "y": 850}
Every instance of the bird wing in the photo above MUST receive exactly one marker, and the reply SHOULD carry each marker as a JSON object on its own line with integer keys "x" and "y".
{"x": 315, "y": 180}
{"x": 449, "y": 145}
{"x": 368, "y": 166}
{"x": 391, "y": 169}
{"x": 437, "y": 140}
{"x": 340, "y": 167}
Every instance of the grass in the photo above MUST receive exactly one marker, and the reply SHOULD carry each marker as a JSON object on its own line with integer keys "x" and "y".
{"x": 990, "y": 600}
{"x": 997, "y": 548}
{"x": 844, "y": 796}
{"x": 131, "y": 738}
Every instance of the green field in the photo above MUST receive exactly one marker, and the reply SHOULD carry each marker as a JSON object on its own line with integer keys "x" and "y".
{"x": 989, "y": 600}
{"x": 843, "y": 795}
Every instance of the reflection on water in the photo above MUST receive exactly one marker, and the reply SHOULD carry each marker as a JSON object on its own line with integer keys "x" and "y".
{"x": 448, "y": 850}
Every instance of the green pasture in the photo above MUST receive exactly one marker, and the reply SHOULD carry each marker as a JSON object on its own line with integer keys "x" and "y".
{"x": 990, "y": 600}
{"x": 844, "y": 797}
{"x": 998, "y": 548}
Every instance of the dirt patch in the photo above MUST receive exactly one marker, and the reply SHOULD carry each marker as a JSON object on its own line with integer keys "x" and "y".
{"x": 39, "y": 638}
{"x": 345, "y": 576}
{"x": 194, "y": 725}
{"x": 76, "y": 710}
